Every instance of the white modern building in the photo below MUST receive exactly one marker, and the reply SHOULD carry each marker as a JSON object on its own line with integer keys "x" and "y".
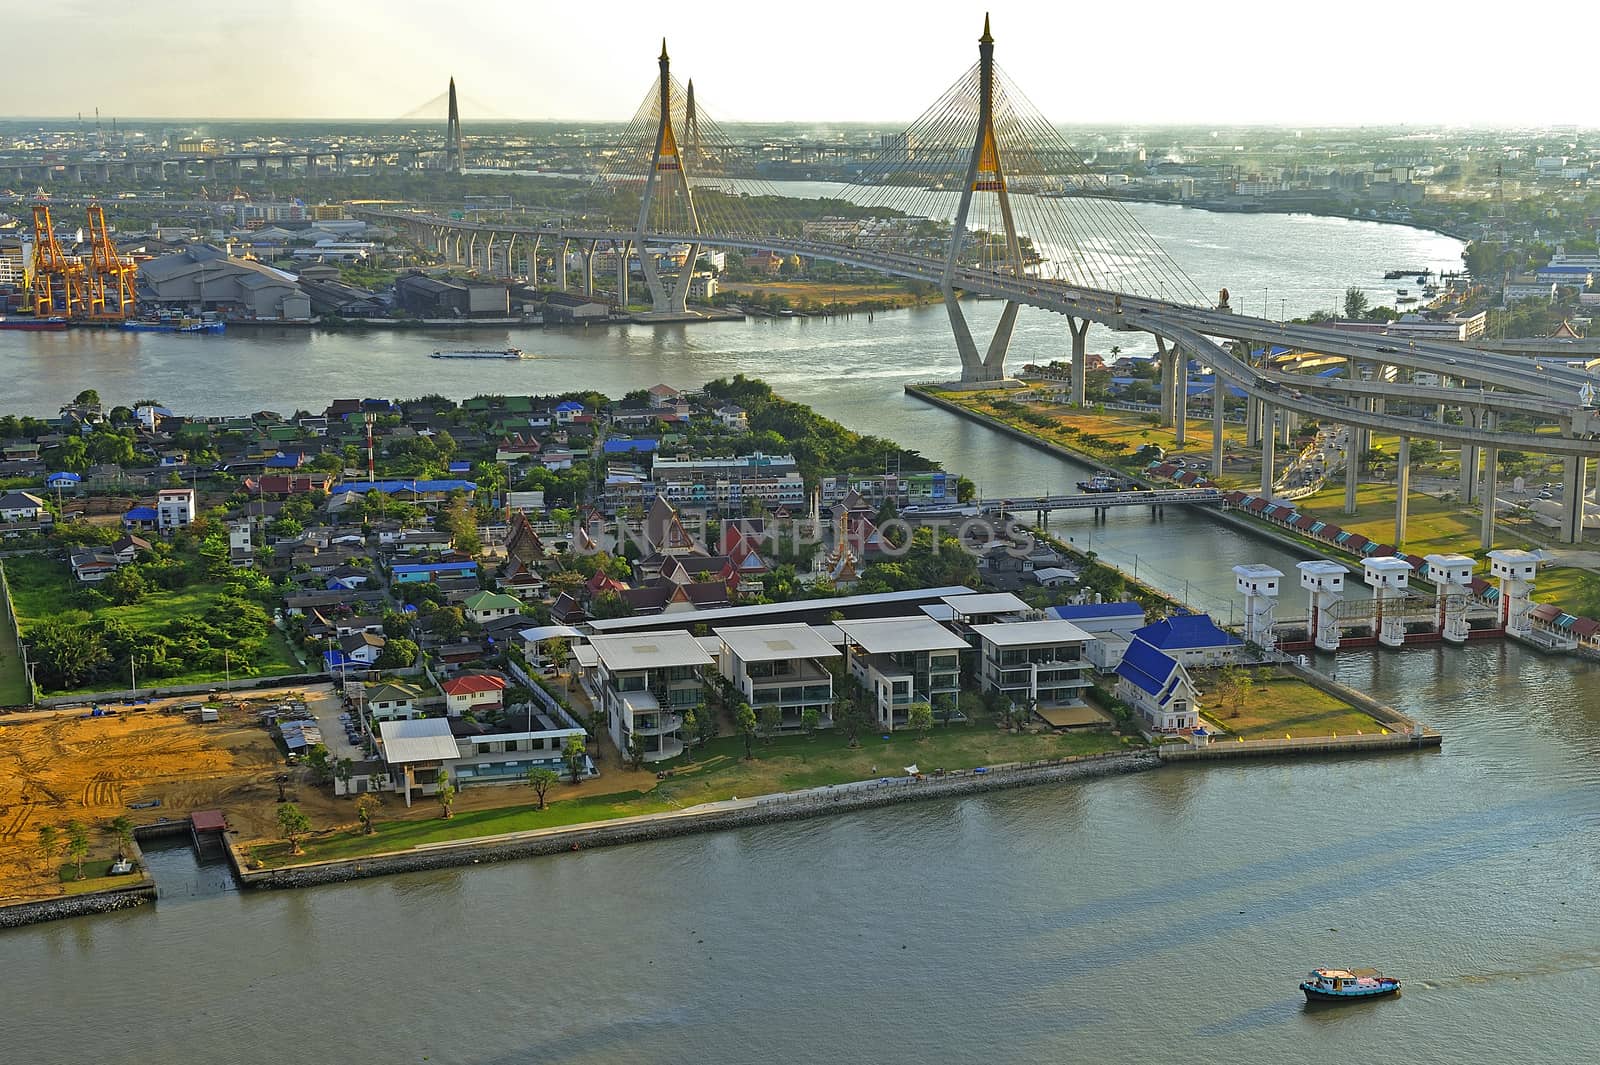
{"x": 174, "y": 508}
{"x": 644, "y": 682}
{"x": 1039, "y": 662}
{"x": 903, "y": 662}
{"x": 780, "y": 665}
{"x": 417, "y": 750}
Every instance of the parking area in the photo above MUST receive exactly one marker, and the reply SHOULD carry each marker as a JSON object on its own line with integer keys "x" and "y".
{"x": 338, "y": 725}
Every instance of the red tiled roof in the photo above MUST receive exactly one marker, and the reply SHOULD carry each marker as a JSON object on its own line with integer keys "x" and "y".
{"x": 473, "y": 683}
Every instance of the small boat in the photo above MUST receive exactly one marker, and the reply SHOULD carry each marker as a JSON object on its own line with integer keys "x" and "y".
{"x": 1101, "y": 482}
{"x": 1347, "y": 985}
{"x": 482, "y": 353}
{"x": 174, "y": 324}
{"x": 35, "y": 325}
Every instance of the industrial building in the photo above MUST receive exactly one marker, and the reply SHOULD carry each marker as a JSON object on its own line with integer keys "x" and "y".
{"x": 205, "y": 278}
{"x": 433, "y": 297}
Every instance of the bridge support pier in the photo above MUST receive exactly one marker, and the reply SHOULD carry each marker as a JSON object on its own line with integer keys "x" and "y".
{"x": 1080, "y": 359}
{"x": 1402, "y": 490}
{"x": 586, "y": 256}
{"x": 1576, "y": 473}
{"x": 1469, "y": 461}
{"x": 533, "y": 263}
{"x": 991, "y": 366}
{"x": 620, "y": 249}
{"x": 561, "y": 263}
{"x": 1180, "y": 399}
{"x": 1286, "y": 427}
{"x": 1267, "y": 439}
{"x": 1168, "y": 379}
{"x": 1352, "y": 470}
{"x": 472, "y": 251}
{"x": 1218, "y": 390}
{"x": 1491, "y": 457}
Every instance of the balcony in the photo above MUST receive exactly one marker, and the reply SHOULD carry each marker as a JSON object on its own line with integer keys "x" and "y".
{"x": 657, "y": 724}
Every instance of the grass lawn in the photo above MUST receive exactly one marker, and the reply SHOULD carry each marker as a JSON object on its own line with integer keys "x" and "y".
{"x": 719, "y": 771}
{"x": 1577, "y": 591}
{"x": 1284, "y": 706}
{"x": 13, "y": 683}
{"x": 42, "y": 587}
{"x": 96, "y": 877}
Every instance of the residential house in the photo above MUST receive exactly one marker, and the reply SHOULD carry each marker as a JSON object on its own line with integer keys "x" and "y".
{"x": 21, "y": 506}
{"x": 175, "y": 508}
{"x": 473, "y": 693}
{"x": 487, "y": 606}
{"x": 472, "y": 753}
{"x": 1111, "y": 624}
{"x": 1192, "y": 639}
{"x": 392, "y": 701}
{"x": 644, "y": 683}
{"x": 783, "y": 666}
{"x": 362, "y": 648}
{"x": 1039, "y": 662}
{"x": 902, "y": 662}
{"x": 424, "y": 572}
{"x": 1158, "y": 687}
{"x": 93, "y": 565}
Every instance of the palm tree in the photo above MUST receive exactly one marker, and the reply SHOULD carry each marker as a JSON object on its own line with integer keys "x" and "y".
{"x": 122, "y": 828}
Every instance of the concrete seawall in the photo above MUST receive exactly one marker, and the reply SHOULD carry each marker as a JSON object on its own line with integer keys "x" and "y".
{"x": 1303, "y": 747}
{"x": 712, "y": 817}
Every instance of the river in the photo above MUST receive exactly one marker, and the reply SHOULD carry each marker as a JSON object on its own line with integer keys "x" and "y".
{"x": 1135, "y": 919}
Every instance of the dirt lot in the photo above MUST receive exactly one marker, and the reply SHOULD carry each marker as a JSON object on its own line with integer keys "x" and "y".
{"x": 61, "y": 767}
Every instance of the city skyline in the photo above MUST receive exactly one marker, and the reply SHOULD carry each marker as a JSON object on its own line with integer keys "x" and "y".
{"x": 567, "y": 66}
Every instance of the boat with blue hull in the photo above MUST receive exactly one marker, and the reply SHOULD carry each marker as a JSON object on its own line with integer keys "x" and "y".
{"x": 1348, "y": 985}
{"x": 174, "y": 325}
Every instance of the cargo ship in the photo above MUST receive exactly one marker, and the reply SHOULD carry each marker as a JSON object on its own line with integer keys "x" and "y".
{"x": 174, "y": 325}
{"x": 35, "y": 325}
{"x": 482, "y": 353}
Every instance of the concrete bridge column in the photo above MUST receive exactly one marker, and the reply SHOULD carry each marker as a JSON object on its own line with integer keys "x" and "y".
{"x": 1577, "y": 472}
{"x": 1267, "y": 438}
{"x": 1252, "y": 421}
{"x": 1287, "y": 427}
{"x": 1402, "y": 490}
{"x": 1167, "y": 380}
{"x": 472, "y": 251}
{"x": 533, "y": 263}
{"x": 1491, "y": 457}
{"x": 1218, "y": 390}
{"x": 1080, "y": 359}
{"x": 1180, "y": 397}
{"x": 511, "y": 255}
{"x": 1469, "y": 459}
{"x": 1352, "y": 470}
{"x": 561, "y": 264}
{"x": 586, "y": 252}
{"x": 620, "y": 249}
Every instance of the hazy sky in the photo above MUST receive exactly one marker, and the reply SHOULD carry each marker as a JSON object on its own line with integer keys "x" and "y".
{"x": 1251, "y": 61}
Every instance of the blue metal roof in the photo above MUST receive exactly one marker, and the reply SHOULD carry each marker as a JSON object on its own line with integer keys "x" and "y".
{"x": 140, "y": 514}
{"x": 435, "y": 567}
{"x": 405, "y": 486}
{"x": 622, "y": 447}
{"x": 1186, "y": 632}
{"x": 1147, "y": 667}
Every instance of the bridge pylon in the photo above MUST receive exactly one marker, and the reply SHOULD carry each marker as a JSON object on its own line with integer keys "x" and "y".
{"x": 668, "y": 174}
{"x": 985, "y": 173}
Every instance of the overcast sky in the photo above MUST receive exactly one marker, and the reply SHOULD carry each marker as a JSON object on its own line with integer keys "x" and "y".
{"x": 1142, "y": 61}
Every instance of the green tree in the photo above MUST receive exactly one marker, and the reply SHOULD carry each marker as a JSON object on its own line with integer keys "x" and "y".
{"x": 920, "y": 717}
{"x": 87, "y": 398}
{"x": 574, "y": 752}
{"x": 744, "y": 719}
{"x": 635, "y": 751}
{"x": 691, "y": 726}
{"x": 343, "y": 770}
{"x": 121, "y": 828}
{"x": 809, "y": 718}
{"x": 293, "y": 825}
{"x": 771, "y": 720}
{"x": 446, "y": 794}
{"x": 77, "y": 844}
{"x": 397, "y": 653}
{"x": 540, "y": 779}
{"x": 1355, "y": 303}
{"x": 367, "y": 804}
{"x": 320, "y": 763}
{"x": 49, "y": 844}
{"x": 73, "y": 454}
{"x": 125, "y": 586}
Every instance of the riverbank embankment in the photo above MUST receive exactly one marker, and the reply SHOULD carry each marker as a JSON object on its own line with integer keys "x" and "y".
{"x": 711, "y": 817}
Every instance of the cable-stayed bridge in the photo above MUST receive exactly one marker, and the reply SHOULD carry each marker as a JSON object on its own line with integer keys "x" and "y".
{"x": 981, "y": 195}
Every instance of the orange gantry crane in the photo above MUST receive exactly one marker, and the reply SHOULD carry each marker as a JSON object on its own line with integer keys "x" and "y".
{"x": 68, "y": 286}
{"x": 59, "y": 282}
{"x": 110, "y": 278}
